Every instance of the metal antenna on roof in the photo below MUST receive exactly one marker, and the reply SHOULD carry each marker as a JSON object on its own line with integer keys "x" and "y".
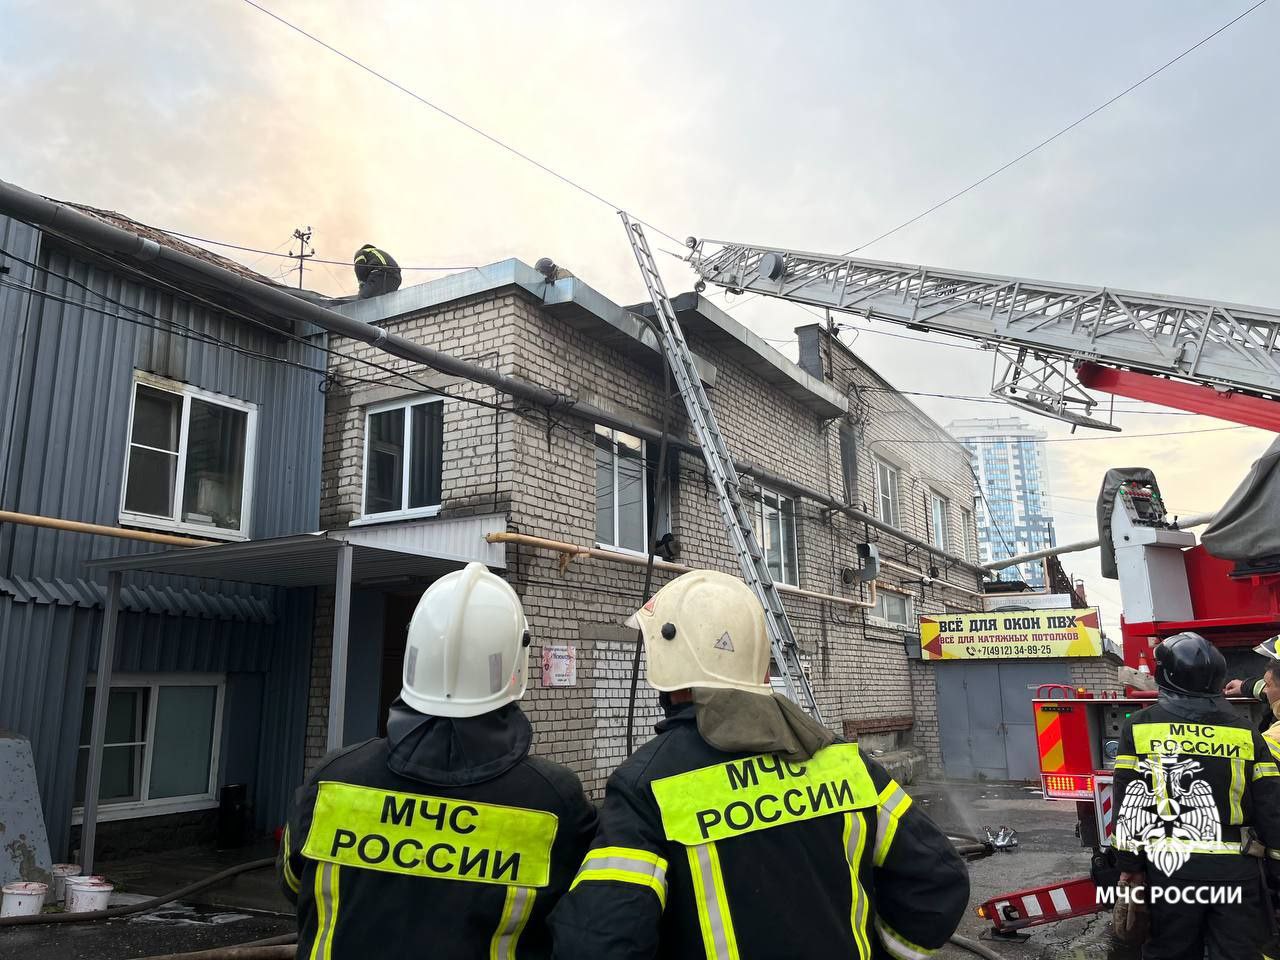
{"x": 304, "y": 238}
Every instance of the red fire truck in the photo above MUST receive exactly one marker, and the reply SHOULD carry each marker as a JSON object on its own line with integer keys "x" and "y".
{"x": 1053, "y": 343}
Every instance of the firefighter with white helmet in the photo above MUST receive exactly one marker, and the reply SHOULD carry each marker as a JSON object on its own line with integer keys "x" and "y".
{"x": 445, "y": 836}
{"x": 744, "y": 829}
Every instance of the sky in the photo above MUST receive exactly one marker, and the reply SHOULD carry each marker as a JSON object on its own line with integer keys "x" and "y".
{"x": 813, "y": 125}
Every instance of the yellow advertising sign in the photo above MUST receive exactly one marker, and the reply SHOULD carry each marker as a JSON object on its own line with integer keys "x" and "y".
{"x": 1011, "y": 635}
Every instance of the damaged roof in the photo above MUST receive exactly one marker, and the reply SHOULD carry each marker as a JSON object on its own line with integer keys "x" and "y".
{"x": 169, "y": 240}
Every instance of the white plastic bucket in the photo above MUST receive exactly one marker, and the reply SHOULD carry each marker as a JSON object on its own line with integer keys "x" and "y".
{"x": 22, "y": 899}
{"x": 61, "y": 871}
{"x": 85, "y": 894}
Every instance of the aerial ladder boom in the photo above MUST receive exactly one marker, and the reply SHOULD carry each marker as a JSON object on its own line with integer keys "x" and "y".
{"x": 1220, "y": 359}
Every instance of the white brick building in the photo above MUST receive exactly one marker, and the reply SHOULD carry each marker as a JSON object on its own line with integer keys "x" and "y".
{"x": 826, "y": 432}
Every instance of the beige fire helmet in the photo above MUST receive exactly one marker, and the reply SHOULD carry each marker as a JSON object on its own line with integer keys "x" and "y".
{"x": 705, "y": 629}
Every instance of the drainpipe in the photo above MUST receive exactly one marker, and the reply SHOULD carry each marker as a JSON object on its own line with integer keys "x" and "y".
{"x": 69, "y": 222}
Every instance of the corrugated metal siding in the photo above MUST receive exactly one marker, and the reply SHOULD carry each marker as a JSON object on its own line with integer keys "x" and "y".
{"x": 169, "y": 600}
{"x": 71, "y": 408}
{"x": 47, "y": 652}
{"x": 21, "y": 241}
{"x": 66, "y": 373}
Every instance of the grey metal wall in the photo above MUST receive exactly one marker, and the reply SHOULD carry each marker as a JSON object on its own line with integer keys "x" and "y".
{"x": 67, "y": 406}
{"x": 47, "y": 651}
{"x": 66, "y": 372}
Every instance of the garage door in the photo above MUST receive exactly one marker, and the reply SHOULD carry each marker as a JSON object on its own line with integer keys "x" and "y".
{"x": 984, "y": 717}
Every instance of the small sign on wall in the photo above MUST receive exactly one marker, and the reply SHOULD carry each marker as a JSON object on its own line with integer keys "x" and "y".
{"x": 559, "y": 666}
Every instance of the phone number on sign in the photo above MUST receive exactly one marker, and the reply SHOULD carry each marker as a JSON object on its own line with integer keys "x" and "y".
{"x": 1009, "y": 650}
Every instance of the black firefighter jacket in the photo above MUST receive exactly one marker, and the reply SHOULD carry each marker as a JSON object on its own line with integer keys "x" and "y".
{"x": 708, "y": 854}
{"x": 369, "y": 258}
{"x": 445, "y": 840}
{"x": 1190, "y": 773}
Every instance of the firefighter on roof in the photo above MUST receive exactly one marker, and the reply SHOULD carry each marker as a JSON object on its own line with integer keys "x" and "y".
{"x": 1194, "y": 785}
{"x": 743, "y": 830}
{"x": 377, "y": 271}
{"x": 445, "y": 838}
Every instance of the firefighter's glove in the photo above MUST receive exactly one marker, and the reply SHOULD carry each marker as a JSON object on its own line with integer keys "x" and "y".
{"x": 1130, "y": 921}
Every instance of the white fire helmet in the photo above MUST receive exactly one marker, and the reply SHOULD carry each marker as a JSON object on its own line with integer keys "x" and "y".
{"x": 467, "y": 651}
{"x": 1268, "y": 648}
{"x": 705, "y": 629}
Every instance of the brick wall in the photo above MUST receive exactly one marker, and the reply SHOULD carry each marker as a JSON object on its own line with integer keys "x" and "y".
{"x": 543, "y": 477}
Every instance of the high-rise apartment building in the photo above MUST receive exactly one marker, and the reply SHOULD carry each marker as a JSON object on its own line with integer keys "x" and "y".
{"x": 1013, "y": 472}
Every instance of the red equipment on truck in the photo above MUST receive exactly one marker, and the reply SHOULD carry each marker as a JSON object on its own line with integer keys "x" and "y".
{"x": 1056, "y": 340}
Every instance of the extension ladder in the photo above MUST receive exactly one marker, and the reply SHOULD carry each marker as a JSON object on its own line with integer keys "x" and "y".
{"x": 724, "y": 477}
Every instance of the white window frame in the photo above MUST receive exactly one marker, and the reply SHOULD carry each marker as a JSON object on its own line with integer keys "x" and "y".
{"x": 644, "y": 498}
{"x": 893, "y": 624}
{"x": 405, "y": 513}
{"x": 969, "y": 530}
{"x": 939, "y": 531}
{"x": 133, "y": 809}
{"x": 764, "y": 492}
{"x": 174, "y": 522}
{"x": 895, "y": 499}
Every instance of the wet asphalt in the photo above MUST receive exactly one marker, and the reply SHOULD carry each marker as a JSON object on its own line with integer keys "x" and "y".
{"x": 1048, "y": 850}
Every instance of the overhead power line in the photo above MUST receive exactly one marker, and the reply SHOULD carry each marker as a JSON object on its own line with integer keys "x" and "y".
{"x": 276, "y": 253}
{"x": 220, "y": 308}
{"x": 1042, "y": 144}
{"x": 1069, "y": 127}
{"x": 496, "y": 141}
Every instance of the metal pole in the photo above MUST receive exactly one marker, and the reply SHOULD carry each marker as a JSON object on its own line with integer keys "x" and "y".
{"x": 98, "y": 732}
{"x": 1197, "y": 520}
{"x": 341, "y": 622}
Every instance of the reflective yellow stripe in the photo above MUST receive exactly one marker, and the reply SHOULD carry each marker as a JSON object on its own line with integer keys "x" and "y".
{"x": 1265, "y": 768}
{"x": 1257, "y": 688}
{"x": 893, "y": 803}
{"x": 756, "y": 793}
{"x": 290, "y": 877}
{"x": 718, "y": 939}
{"x": 1195, "y": 739}
{"x": 326, "y": 911}
{"x": 515, "y": 914}
{"x": 1274, "y": 747}
{"x": 376, "y": 252}
{"x": 898, "y": 946}
{"x": 1235, "y": 812}
{"x": 626, "y": 865}
{"x": 1126, "y": 761}
{"x": 855, "y": 842}
{"x": 425, "y": 836}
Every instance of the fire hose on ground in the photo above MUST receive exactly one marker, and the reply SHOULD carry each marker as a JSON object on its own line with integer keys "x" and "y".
{"x": 280, "y": 948}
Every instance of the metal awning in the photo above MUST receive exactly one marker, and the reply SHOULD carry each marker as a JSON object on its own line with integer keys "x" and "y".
{"x": 422, "y": 549}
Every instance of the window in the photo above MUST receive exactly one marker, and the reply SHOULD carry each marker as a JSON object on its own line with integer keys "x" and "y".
{"x": 893, "y": 609}
{"x": 887, "y": 493}
{"x": 775, "y": 528}
{"x": 403, "y": 452}
{"x": 160, "y": 753}
{"x": 939, "y": 521}
{"x": 966, "y": 527}
{"x": 189, "y": 464}
{"x": 622, "y": 491}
